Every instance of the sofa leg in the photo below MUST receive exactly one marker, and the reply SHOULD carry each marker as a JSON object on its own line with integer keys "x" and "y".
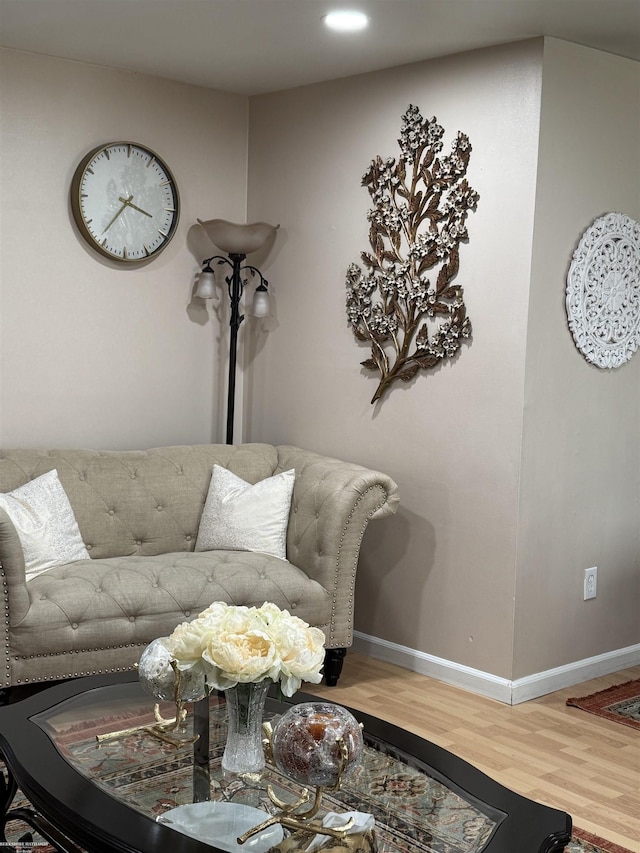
{"x": 333, "y": 660}
{"x": 5, "y": 695}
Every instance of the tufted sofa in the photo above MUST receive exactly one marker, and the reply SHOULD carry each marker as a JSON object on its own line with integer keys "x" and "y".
{"x": 138, "y": 514}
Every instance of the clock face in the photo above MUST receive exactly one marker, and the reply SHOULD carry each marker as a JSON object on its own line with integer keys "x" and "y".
{"x": 125, "y": 201}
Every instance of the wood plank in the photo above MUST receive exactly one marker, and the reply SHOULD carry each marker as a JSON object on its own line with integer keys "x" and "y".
{"x": 543, "y": 749}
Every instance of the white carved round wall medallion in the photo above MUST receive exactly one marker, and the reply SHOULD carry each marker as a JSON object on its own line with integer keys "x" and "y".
{"x": 603, "y": 291}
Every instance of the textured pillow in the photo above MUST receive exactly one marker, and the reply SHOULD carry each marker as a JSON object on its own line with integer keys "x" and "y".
{"x": 44, "y": 521}
{"x": 240, "y": 517}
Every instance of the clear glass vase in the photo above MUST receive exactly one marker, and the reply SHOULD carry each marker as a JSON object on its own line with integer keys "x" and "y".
{"x": 243, "y": 752}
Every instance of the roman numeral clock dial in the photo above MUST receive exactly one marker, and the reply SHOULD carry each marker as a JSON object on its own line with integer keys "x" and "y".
{"x": 125, "y": 202}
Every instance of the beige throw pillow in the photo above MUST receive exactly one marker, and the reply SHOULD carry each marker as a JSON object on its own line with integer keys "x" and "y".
{"x": 46, "y": 526}
{"x": 240, "y": 517}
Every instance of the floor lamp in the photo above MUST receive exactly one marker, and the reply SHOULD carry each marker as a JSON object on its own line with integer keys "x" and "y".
{"x": 237, "y": 241}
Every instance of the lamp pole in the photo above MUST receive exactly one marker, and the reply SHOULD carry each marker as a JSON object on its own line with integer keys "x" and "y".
{"x": 235, "y": 286}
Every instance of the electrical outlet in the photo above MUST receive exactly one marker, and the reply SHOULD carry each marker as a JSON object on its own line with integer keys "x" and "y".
{"x": 590, "y": 583}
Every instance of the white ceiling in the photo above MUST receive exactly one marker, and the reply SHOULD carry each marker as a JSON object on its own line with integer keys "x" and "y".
{"x": 255, "y": 46}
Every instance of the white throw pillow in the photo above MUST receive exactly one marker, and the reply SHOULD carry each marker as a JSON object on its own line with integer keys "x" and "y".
{"x": 240, "y": 517}
{"x": 45, "y": 523}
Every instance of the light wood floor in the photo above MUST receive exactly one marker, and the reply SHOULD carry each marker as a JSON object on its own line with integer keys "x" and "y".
{"x": 563, "y": 757}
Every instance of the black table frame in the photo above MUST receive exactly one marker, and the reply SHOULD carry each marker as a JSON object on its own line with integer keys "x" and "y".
{"x": 70, "y": 810}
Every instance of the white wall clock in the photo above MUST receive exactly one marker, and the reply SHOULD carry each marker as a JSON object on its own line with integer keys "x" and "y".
{"x": 603, "y": 291}
{"x": 125, "y": 202}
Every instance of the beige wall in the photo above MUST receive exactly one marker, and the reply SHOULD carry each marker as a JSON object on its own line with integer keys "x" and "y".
{"x": 511, "y": 482}
{"x": 580, "y": 487}
{"x": 93, "y": 354}
{"x": 518, "y": 464}
{"x": 439, "y": 577}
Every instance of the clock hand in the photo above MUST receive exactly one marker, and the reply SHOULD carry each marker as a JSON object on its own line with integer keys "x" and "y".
{"x": 126, "y": 202}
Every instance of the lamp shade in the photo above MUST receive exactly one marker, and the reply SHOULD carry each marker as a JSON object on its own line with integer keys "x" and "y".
{"x": 261, "y": 306}
{"x": 237, "y": 239}
{"x": 206, "y": 288}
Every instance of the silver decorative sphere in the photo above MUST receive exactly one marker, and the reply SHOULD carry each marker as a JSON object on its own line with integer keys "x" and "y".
{"x": 158, "y": 678}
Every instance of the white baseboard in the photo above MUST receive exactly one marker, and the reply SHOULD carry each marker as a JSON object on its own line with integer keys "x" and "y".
{"x": 541, "y": 683}
{"x": 486, "y": 684}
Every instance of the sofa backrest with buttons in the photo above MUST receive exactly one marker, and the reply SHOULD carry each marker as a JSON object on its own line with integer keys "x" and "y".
{"x": 137, "y": 502}
{"x": 138, "y": 513}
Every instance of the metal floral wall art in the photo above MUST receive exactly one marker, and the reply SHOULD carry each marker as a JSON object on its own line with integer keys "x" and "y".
{"x": 417, "y": 317}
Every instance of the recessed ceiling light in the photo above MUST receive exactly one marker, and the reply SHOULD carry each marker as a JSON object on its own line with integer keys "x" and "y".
{"x": 346, "y": 21}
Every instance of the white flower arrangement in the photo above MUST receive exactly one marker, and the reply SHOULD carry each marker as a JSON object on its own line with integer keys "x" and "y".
{"x": 233, "y": 644}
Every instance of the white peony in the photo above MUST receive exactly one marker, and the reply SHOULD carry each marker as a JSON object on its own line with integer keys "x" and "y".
{"x": 248, "y": 656}
{"x": 188, "y": 640}
{"x": 234, "y": 644}
{"x": 215, "y": 611}
{"x": 301, "y": 651}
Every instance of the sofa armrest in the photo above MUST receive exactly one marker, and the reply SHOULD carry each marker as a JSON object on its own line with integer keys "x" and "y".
{"x": 12, "y": 569}
{"x": 333, "y": 501}
{"x": 14, "y": 586}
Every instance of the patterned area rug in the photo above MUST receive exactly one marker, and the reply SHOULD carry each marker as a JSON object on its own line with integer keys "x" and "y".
{"x": 621, "y": 704}
{"x": 124, "y": 762}
{"x": 154, "y": 777}
{"x": 23, "y": 841}
{"x": 585, "y": 842}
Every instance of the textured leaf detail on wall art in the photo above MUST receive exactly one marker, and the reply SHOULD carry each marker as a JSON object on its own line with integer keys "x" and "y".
{"x": 401, "y": 300}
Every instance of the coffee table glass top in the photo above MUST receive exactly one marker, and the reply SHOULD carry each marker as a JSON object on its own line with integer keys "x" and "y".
{"x": 423, "y": 799}
{"x": 151, "y": 776}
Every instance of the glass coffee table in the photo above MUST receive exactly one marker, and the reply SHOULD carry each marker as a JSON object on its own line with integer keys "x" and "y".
{"x": 102, "y": 794}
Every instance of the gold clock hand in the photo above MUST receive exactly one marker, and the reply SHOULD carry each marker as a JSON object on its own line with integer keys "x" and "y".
{"x": 126, "y": 202}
